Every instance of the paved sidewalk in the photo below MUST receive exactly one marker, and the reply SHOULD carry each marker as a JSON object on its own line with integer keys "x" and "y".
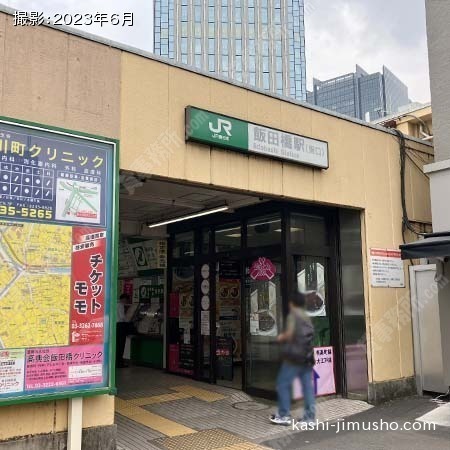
{"x": 400, "y": 412}
{"x": 158, "y": 411}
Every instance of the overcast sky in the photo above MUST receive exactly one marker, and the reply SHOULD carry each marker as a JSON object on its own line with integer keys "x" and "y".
{"x": 339, "y": 34}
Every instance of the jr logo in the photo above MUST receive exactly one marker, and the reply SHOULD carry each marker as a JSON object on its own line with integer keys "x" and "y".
{"x": 222, "y": 124}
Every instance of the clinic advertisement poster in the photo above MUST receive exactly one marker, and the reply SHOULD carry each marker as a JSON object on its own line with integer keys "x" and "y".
{"x": 323, "y": 374}
{"x": 88, "y": 275}
{"x": 57, "y": 191}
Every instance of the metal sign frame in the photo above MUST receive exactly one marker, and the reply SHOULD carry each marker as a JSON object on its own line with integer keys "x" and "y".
{"x": 111, "y": 249}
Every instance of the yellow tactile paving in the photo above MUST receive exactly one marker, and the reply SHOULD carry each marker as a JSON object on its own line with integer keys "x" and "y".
{"x": 159, "y": 398}
{"x": 214, "y": 439}
{"x": 161, "y": 424}
{"x": 126, "y": 408}
{"x": 201, "y": 394}
{"x": 244, "y": 446}
{"x": 149, "y": 419}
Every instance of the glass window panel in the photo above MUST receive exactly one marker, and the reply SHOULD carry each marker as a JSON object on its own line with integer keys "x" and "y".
{"x": 311, "y": 277}
{"x": 279, "y": 80}
{"x": 225, "y": 46}
{"x": 183, "y": 245}
{"x": 198, "y": 14}
{"x": 238, "y": 31}
{"x": 224, "y": 14}
{"x": 211, "y": 46}
{"x": 238, "y": 45}
{"x": 228, "y": 238}
{"x": 251, "y": 31}
{"x": 205, "y": 240}
{"x": 252, "y": 64}
{"x": 198, "y": 46}
{"x": 264, "y": 15}
{"x": 265, "y": 230}
{"x": 211, "y": 63}
{"x": 184, "y": 45}
{"x": 238, "y": 15}
{"x": 238, "y": 64}
{"x": 184, "y": 13}
{"x": 308, "y": 230}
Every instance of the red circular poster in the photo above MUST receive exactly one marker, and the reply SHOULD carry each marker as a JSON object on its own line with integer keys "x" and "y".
{"x": 262, "y": 269}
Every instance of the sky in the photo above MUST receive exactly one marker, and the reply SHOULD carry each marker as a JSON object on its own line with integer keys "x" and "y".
{"x": 339, "y": 34}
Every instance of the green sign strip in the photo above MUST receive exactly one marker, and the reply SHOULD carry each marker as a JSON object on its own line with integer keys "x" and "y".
{"x": 222, "y": 131}
{"x": 215, "y": 129}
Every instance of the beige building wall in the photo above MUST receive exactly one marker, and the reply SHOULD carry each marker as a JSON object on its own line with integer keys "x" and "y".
{"x": 57, "y": 79}
{"x": 411, "y": 126}
{"x": 364, "y": 173}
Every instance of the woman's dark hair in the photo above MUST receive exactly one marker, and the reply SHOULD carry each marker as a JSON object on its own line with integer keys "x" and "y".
{"x": 298, "y": 299}
{"x": 125, "y": 297}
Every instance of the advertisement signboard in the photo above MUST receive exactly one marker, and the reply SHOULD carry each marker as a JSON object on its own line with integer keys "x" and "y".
{"x": 219, "y": 130}
{"x": 58, "y": 263}
{"x": 323, "y": 374}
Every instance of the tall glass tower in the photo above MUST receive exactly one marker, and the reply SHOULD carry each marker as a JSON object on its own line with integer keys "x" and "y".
{"x": 360, "y": 94}
{"x": 257, "y": 42}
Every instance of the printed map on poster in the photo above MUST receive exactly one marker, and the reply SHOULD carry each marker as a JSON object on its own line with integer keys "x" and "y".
{"x": 34, "y": 284}
{"x": 57, "y": 192}
{"x": 77, "y": 201}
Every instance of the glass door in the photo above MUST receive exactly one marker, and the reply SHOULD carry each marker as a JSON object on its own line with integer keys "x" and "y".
{"x": 264, "y": 319}
{"x": 228, "y": 323}
{"x": 312, "y": 280}
{"x": 181, "y": 335}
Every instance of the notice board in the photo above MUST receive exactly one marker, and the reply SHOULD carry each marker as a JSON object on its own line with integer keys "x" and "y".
{"x": 386, "y": 268}
{"x": 58, "y": 264}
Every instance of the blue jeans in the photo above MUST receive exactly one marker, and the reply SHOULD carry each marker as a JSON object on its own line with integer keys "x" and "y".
{"x": 288, "y": 372}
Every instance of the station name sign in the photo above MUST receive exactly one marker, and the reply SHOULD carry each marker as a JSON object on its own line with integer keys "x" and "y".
{"x": 227, "y": 132}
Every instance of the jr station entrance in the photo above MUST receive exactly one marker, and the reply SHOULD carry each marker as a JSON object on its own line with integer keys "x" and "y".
{"x": 208, "y": 274}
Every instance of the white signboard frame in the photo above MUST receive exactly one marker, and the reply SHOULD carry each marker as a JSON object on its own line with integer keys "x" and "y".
{"x": 386, "y": 268}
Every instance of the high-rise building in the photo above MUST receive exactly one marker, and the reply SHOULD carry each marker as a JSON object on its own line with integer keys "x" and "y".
{"x": 360, "y": 94}
{"x": 257, "y": 42}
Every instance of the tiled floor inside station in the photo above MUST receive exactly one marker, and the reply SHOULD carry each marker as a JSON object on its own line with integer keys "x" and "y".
{"x": 158, "y": 411}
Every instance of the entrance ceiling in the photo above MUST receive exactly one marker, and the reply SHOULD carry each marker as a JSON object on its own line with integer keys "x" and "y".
{"x": 151, "y": 200}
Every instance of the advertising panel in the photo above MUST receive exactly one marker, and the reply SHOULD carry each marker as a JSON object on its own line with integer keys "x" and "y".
{"x": 323, "y": 374}
{"x": 57, "y": 262}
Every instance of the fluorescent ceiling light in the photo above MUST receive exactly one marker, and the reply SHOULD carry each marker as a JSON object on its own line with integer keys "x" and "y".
{"x": 293, "y": 230}
{"x": 189, "y": 216}
{"x": 227, "y": 230}
{"x": 235, "y": 235}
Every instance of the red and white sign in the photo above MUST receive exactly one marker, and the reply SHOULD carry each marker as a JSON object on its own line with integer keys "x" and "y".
{"x": 88, "y": 286}
{"x": 323, "y": 374}
{"x": 262, "y": 269}
{"x": 386, "y": 268}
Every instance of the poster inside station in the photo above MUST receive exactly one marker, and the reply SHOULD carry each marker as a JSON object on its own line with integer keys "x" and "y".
{"x": 56, "y": 195}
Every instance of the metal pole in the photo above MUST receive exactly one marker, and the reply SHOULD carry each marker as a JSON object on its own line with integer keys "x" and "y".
{"x": 75, "y": 425}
